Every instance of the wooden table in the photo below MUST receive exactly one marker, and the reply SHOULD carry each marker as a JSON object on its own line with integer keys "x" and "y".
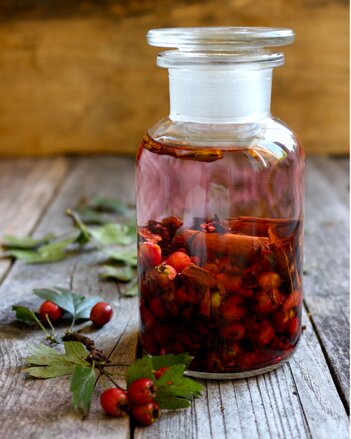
{"x": 306, "y": 398}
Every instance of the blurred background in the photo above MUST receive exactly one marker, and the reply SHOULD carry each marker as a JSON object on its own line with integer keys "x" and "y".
{"x": 78, "y": 76}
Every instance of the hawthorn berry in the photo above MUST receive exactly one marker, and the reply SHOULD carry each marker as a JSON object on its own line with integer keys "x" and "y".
{"x": 114, "y": 402}
{"x": 149, "y": 255}
{"x": 101, "y": 313}
{"x": 230, "y": 282}
{"x": 179, "y": 261}
{"x": 294, "y": 327}
{"x": 246, "y": 360}
{"x": 266, "y": 333}
{"x": 293, "y": 300}
{"x": 142, "y": 391}
{"x": 146, "y": 414}
{"x": 280, "y": 320}
{"x": 264, "y": 303}
{"x": 269, "y": 280}
{"x": 164, "y": 275}
{"x": 51, "y": 310}
{"x": 235, "y": 331}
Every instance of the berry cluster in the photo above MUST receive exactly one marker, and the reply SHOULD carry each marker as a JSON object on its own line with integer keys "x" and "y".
{"x": 234, "y": 300}
{"x": 138, "y": 400}
{"x": 100, "y": 314}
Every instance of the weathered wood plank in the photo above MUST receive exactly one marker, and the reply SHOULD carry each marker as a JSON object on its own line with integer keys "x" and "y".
{"x": 327, "y": 264}
{"x": 336, "y": 172}
{"x": 41, "y": 409}
{"x": 298, "y": 400}
{"x": 27, "y": 186}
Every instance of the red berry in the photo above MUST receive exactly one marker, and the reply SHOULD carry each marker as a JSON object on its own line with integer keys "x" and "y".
{"x": 231, "y": 309}
{"x": 179, "y": 261}
{"x": 149, "y": 255}
{"x": 277, "y": 296}
{"x": 146, "y": 414}
{"x": 231, "y": 283}
{"x": 114, "y": 401}
{"x": 269, "y": 280}
{"x": 186, "y": 296}
{"x": 233, "y": 332}
{"x": 246, "y": 360}
{"x": 159, "y": 372}
{"x": 101, "y": 313}
{"x": 266, "y": 334}
{"x": 51, "y": 310}
{"x": 164, "y": 275}
{"x": 294, "y": 327}
{"x": 293, "y": 300}
{"x": 142, "y": 391}
{"x": 280, "y": 320}
{"x": 264, "y": 303}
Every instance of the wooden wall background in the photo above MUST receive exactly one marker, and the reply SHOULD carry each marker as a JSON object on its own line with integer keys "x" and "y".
{"x": 77, "y": 76}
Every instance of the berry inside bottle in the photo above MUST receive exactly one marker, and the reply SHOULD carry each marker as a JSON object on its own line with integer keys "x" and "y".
{"x": 219, "y": 256}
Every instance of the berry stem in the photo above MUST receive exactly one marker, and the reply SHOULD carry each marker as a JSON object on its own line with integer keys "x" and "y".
{"x": 48, "y": 336}
{"x": 111, "y": 379}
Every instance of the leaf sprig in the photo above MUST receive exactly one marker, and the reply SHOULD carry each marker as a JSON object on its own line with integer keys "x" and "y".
{"x": 117, "y": 241}
{"x": 50, "y": 248}
{"x": 173, "y": 389}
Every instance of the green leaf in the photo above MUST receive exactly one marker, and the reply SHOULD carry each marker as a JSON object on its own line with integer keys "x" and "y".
{"x": 75, "y": 351}
{"x": 123, "y": 274}
{"x": 50, "y": 371}
{"x": 24, "y": 314}
{"x": 128, "y": 256}
{"x": 170, "y": 360}
{"x": 47, "y": 253}
{"x": 82, "y": 388}
{"x": 107, "y": 205}
{"x": 46, "y": 362}
{"x": 58, "y": 247}
{"x": 112, "y": 234}
{"x": 84, "y": 236}
{"x": 174, "y": 390}
{"x": 107, "y": 234}
{"x": 26, "y": 242}
{"x": 140, "y": 369}
{"x": 32, "y": 257}
{"x": 76, "y": 304}
{"x": 131, "y": 290}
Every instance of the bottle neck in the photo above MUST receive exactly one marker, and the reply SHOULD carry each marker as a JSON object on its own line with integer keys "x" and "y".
{"x": 219, "y": 95}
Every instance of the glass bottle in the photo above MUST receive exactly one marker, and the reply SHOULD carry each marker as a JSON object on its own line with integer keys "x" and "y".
{"x": 220, "y": 207}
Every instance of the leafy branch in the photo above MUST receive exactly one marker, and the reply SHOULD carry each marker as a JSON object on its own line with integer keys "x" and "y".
{"x": 82, "y": 360}
{"x": 117, "y": 240}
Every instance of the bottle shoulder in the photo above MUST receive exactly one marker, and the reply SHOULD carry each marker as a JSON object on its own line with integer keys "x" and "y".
{"x": 269, "y": 133}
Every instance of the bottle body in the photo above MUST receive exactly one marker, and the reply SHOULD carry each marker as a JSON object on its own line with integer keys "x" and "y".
{"x": 220, "y": 220}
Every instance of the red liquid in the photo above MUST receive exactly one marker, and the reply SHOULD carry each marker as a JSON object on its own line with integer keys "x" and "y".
{"x": 236, "y": 304}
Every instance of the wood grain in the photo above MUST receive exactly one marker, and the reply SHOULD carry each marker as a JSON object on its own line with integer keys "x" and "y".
{"x": 327, "y": 264}
{"x": 26, "y": 189}
{"x": 79, "y": 77}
